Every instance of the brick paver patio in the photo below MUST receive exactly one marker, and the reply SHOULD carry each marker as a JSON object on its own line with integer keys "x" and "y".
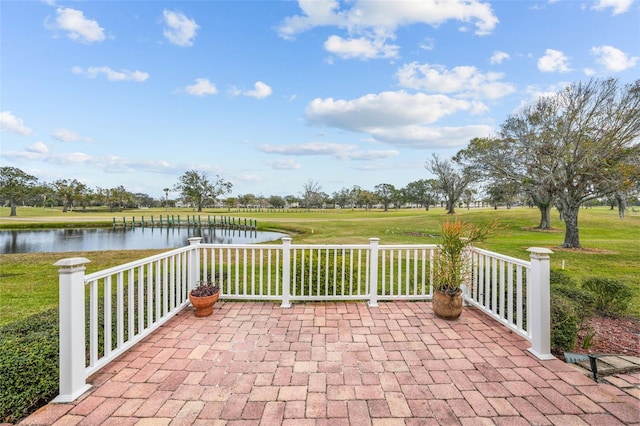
{"x": 339, "y": 364}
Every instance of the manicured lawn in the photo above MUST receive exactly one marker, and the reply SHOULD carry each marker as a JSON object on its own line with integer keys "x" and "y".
{"x": 28, "y": 282}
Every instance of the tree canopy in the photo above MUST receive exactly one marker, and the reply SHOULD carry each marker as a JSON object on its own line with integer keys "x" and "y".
{"x": 577, "y": 145}
{"x": 196, "y": 187}
{"x": 15, "y": 185}
{"x": 452, "y": 181}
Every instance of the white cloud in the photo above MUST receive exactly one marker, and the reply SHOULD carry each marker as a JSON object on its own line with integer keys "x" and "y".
{"x": 38, "y": 147}
{"x": 365, "y": 15}
{"x": 284, "y": 164}
{"x": 370, "y": 24}
{"x": 384, "y": 110}
{"x": 108, "y": 164}
{"x": 124, "y": 75}
{"x": 201, "y": 87}
{"x": 379, "y": 154}
{"x": 64, "y": 135}
{"x": 261, "y": 91}
{"x": 310, "y": 148}
{"x": 179, "y": 29}
{"x": 553, "y": 61}
{"x": 498, "y": 57}
{"x": 424, "y": 137}
{"x": 428, "y": 44}
{"x": 397, "y": 118}
{"x": 618, "y": 6}
{"x": 613, "y": 60}
{"x": 464, "y": 80}
{"x": 78, "y": 27}
{"x": 11, "y": 123}
{"x": 339, "y": 151}
{"x": 360, "y": 48}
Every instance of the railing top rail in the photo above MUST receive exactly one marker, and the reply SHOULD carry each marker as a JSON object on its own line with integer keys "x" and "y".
{"x": 499, "y": 256}
{"x": 402, "y": 246}
{"x": 110, "y": 271}
{"x": 330, "y": 246}
{"x": 241, "y": 246}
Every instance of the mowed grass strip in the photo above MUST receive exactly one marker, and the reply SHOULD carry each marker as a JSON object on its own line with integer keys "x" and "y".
{"x": 29, "y": 282}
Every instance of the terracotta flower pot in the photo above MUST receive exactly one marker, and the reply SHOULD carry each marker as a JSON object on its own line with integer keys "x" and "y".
{"x": 204, "y": 305}
{"x": 447, "y": 306}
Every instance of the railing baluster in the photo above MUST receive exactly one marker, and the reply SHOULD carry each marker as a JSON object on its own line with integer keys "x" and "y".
{"x": 140, "y": 285}
{"x": 494, "y": 285}
{"x": 237, "y": 277}
{"x": 327, "y": 257}
{"x": 502, "y": 288}
{"x": 351, "y": 273}
{"x": 366, "y": 271}
{"x": 119, "y": 309}
{"x": 407, "y": 268}
{"x": 149, "y": 304}
{"x": 253, "y": 269}
{"x": 165, "y": 287}
{"x": 157, "y": 296}
{"x": 384, "y": 271}
{"x": 510, "y": 294}
{"x": 107, "y": 326}
{"x": 229, "y": 275}
{"x": 131, "y": 317}
{"x": 93, "y": 321}
{"x": 244, "y": 270}
{"x": 519, "y": 297}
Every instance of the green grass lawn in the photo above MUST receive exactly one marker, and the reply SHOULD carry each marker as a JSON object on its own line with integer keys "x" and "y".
{"x": 28, "y": 282}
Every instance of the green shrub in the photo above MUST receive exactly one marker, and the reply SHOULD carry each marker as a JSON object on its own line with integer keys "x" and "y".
{"x": 560, "y": 277}
{"x": 28, "y": 364}
{"x": 571, "y": 309}
{"x": 564, "y": 324}
{"x": 319, "y": 280}
{"x": 611, "y": 296}
{"x": 583, "y": 301}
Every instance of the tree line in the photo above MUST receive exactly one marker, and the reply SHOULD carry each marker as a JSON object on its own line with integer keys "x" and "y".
{"x": 568, "y": 150}
{"x": 20, "y": 188}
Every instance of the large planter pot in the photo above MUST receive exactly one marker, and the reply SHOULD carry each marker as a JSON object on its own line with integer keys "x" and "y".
{"x": 447, "y": 306}
{"x": 204, "y": 305}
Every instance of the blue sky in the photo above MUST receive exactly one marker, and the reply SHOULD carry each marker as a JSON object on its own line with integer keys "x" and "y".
{"x": 270, "y": 94}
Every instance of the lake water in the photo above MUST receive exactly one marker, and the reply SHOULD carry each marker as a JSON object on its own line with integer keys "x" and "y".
{"x": 65, "y": 240}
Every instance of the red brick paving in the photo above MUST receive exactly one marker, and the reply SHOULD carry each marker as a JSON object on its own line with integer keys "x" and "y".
{"x": 341, "y": 364}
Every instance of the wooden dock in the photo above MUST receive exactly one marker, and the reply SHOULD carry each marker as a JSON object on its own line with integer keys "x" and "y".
{"x": 190, "y": 221}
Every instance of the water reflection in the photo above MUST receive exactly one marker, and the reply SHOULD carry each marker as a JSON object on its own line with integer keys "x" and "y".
{"x": 64, "y": 240}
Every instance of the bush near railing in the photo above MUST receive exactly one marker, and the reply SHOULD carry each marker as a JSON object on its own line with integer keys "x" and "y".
{"x": 28, "y": 364}
{"x": 571, "y": 309}
{"x": 611, "y": 297}
{"x": 327, "y": 273}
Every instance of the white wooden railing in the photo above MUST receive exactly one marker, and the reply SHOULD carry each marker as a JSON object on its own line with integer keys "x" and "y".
{"x": 514, "y": 292}
{"x": 105, "y": 313}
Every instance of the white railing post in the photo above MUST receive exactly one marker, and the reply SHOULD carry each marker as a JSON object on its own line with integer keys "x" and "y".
{"x": 286, "y": 272}
{"x": 72, "y": 329}
{"x": 373, "y": 272}
{"x": 194, "y": 262}
{"x": 539, "y": 303}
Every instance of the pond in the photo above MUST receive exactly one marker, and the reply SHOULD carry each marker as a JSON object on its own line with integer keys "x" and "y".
{"x": 65, "y": 240}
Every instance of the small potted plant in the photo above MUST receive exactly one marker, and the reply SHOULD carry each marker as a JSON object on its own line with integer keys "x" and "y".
{"x": 204, "y": 296}
{"x": 450, "y": 269}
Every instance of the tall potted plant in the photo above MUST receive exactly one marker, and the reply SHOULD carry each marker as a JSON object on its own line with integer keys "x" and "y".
{"x": 450, "y": 269}
{"x": 203, "y": 297}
